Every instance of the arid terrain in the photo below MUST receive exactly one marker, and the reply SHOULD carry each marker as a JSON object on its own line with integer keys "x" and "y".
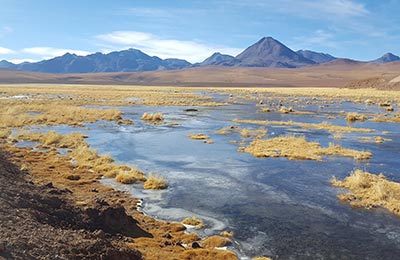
{"x": 337, "y": 73}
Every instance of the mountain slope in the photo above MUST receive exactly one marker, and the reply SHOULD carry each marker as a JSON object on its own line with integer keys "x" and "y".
{"x": 269, "y": 52}
{"x": 130, "y": 60}
{"x": 218, "y": 59}
{"x": 387, "y": 57}
{"x": 317, "y": 57}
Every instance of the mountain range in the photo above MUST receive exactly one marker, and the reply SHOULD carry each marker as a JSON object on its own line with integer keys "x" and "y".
{"x": 267, "y": 52}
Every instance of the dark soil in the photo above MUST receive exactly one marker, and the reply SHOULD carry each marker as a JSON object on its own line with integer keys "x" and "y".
{"x": 39, "y": 222}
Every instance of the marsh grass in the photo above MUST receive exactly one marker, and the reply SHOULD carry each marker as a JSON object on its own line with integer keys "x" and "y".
{"x": 227, "y": 233}
{"x": 155, "y": 182}
{"x": 252, "y": 133}
{"x": 129, "y": 177}
{"x": 156, "y": 118}
{"x": 215, "y": 241}
{"x": 5, "y": 133}
{"x": 54, "y": 139}
{"x": 193, "y": 221}
{"x": 198, "y": 136}
{"x": 356, "y": 117}
{"x": 222, "y": 131}
{"x": 321, "y": 126}
{"x": 19, "y": 113}
{"x": 370, "y": 190}
{"x": 298, "y": 148}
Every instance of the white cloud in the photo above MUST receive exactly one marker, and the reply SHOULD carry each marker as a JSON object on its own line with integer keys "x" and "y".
{"x": 163, "y": 48}
{"x": 6, "y": 51}
{"x": 318, "y": 38}
{"x": 18, "y": 61}
{"x": 49, "y": 52}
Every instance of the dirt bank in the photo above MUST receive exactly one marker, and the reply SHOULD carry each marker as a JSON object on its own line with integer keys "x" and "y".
{"x": 40, "y": 222}
{"x": 48, "y": 212}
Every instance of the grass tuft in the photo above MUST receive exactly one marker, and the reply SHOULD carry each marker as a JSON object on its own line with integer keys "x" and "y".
{"x": 155, "y": 182}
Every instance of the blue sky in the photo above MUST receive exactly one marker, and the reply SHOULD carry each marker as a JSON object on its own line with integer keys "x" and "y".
{"x": 193, "y": 30}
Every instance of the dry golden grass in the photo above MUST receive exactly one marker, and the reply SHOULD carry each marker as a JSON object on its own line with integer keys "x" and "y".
{"x": 112, "y": 94}
{"x": 285, "y": 110}
{"x": 252, "y": 133}
{"x": 298, "y": 148}
{"x": 5, "y": 133}
{"x": 215, "y": 241}
{"x": 394, "y": 119}
{"x": 54, "y": 139}
{"x": 155, "y": 182}
{"x": 261, "y": 258}
{"x": 155, "y": 118}
{"x": 198, "y": 136}
{"x": 355, "y": 117}
{"x": 370, "y": 190}
{"x": 222, "y": 131}
{"x": 130, "y": 176}
{"x": 322, "y": 126}
{"x": 193, "y": 221}
{"x": 227, "y": 233}
{"x": 333, "y": 149}
{"x": 20, "y": 113}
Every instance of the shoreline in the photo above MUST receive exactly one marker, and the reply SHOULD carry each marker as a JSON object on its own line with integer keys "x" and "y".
{"x": 168, "y": 238}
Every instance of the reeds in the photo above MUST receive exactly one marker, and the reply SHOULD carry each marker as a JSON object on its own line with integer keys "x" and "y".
{"x": 155, "y": 182}
{"x": 298, "y": 148}
{"x": 370, "y": 190}
{"x": 355, "y": 117}
{"x": 155, "y": 118}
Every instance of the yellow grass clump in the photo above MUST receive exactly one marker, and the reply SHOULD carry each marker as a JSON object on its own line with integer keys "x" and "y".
{"x": 252, "y": 133}
{"x": 298, "y": 148}
{"x": 198, "y": 136}
{"x": 321, "y": 126}
{"x": 227, "y": 233}
{"x": 129, "y": 177}
{"x": 261, "y": 258}
{"x": 193, "y": 221}
{"x": 155, "y": 118}
{"x": 370, "y": 190}
{"x": 54, "y": 139}
{"x": 49, "y": 112}
{"x": 215, "y": 241}
{"x": 155, "y": 182}
{"x": 355, "y": 117}
{"x": 222, "y": 131}
{"x": 285, "y": 110}
{"x": 4, "y": 133}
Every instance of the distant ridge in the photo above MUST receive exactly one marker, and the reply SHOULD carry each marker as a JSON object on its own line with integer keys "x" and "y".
{"x": 317, "y": 57}
{"x": 267, "y": 52}
{"x": 387, "y": 57}
{"x": 131, "y": 60}
{"x": 218, "y": 59}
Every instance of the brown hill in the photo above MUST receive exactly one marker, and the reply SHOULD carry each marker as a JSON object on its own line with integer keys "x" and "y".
{"x": 337, "y": 73}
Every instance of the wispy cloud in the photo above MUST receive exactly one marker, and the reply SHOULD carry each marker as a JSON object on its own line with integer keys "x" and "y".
{"x": 328, "y": 9}
{"x": 319, "y": 38}
{"x": 148, "y": 12}
{"x": 49, "y": 52}
{"x": 5, "y": 30}
{"x": 164, "y": 48}
{"x": 6, "y": 51}
{"x": 18, "y": 61}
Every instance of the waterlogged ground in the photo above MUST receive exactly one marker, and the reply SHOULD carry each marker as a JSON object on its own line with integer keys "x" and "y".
{"x": 275, "y": 206}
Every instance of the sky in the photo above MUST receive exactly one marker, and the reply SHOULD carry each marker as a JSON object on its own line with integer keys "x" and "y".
{"x": 33, "y": 30}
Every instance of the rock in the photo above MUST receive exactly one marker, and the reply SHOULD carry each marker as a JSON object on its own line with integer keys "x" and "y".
{"x": 195, "y": 245}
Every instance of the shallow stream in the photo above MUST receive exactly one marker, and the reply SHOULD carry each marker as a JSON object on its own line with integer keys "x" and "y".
{"x": 275, "y": 206}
